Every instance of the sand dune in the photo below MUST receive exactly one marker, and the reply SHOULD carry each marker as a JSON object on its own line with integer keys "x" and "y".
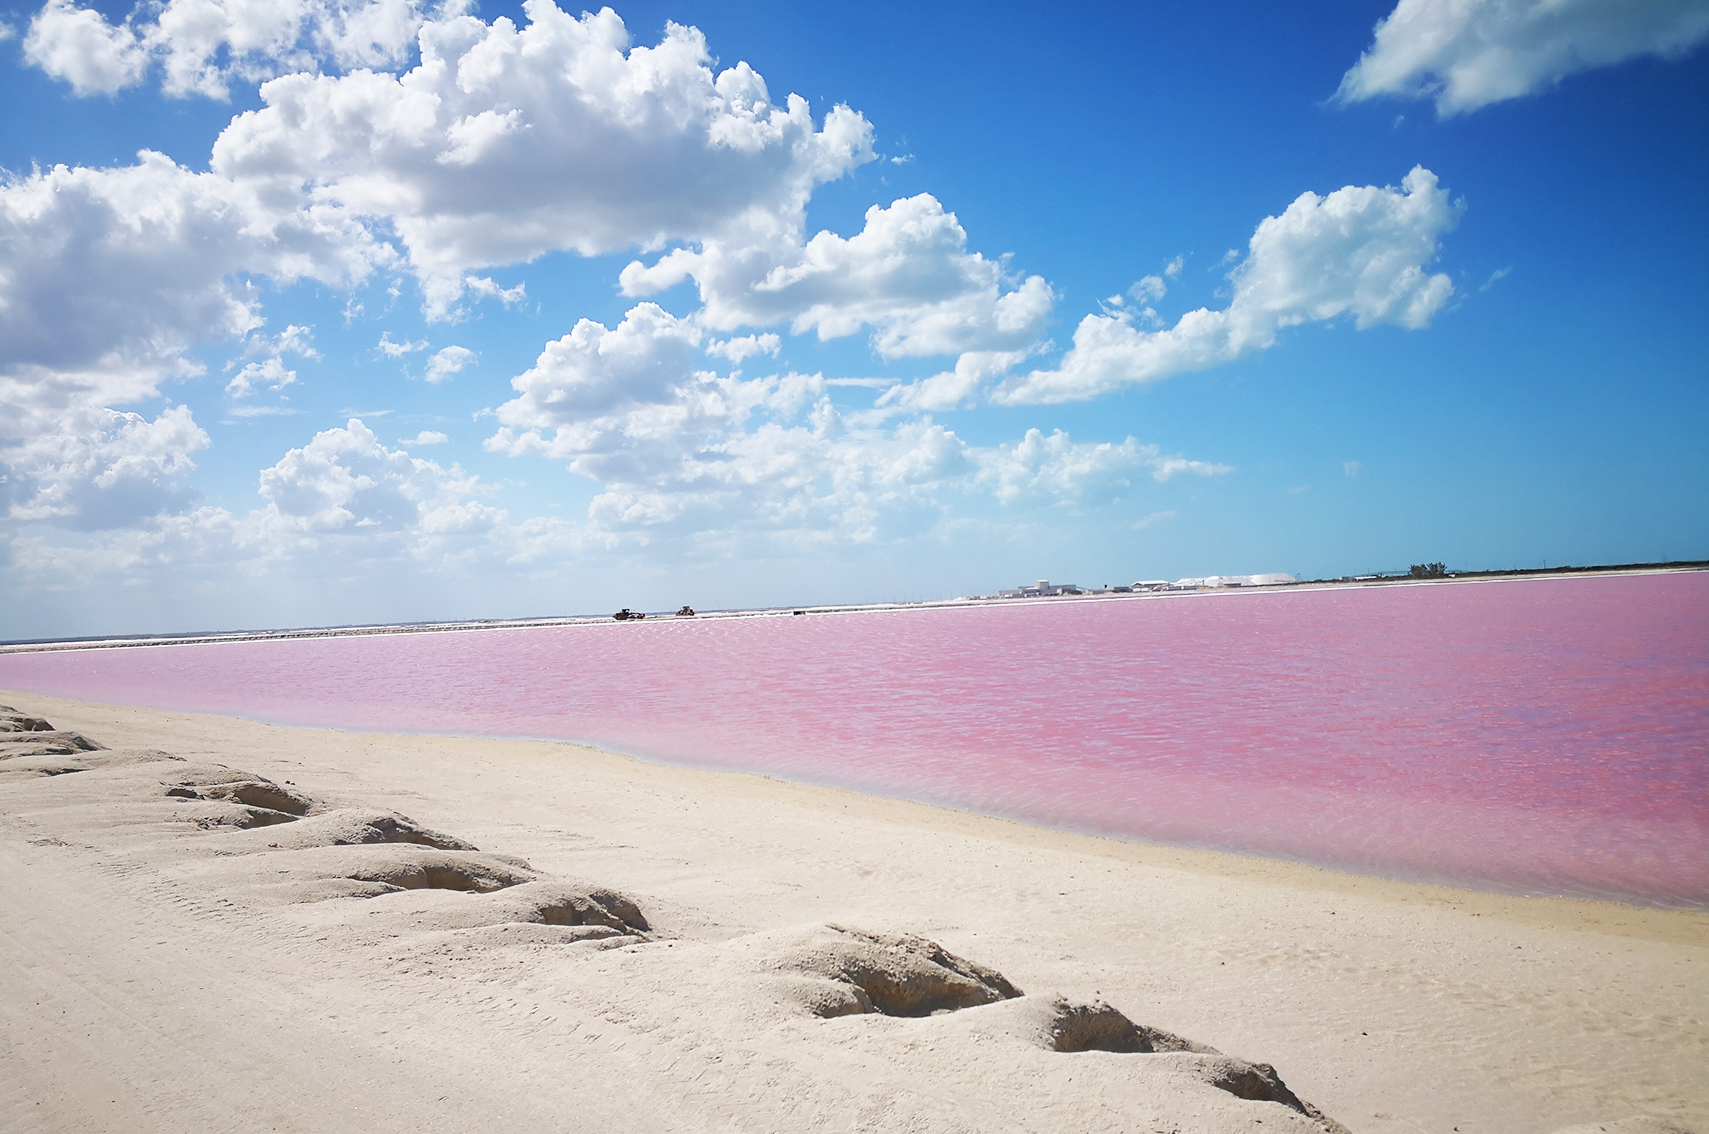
{"x": 213, "y": 924}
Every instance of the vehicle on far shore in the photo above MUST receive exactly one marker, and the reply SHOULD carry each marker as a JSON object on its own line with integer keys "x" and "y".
{"x": 627, "y": 615}
{"x": 686, "y": 611}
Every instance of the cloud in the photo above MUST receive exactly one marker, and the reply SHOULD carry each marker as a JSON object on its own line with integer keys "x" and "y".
{"x": 1496, "y": 276}
{"x": 907, "y": 274}
{"x": 294, "y": 339}
{"x": 1360, "y": 250}
{"x": 1467, "y": 54}
{"x": 747, "y": 346}
{"x": 683, "y": 452}
{"x": 98, "y": 468}
{"x": 507, "y": 143}
{"x": 482, "y": 287}
{"x": 503, "y": 144}
{"x": 79, "y": 46}
{"x": 346, "y": 483}
{"x": 955, "y": 387}
{"x": 1350, "y": 468}
{"x": 270, "y": 373}
{"x": 201, "y": 46}
{"x": 113, "y": 273}
{"x": 397, "y": 350}
{"x": 1149, "y": 289}
{"x": 1151, "y": 518}
{"x": 594, "y": 370}
{"x": 1057, "y": 469}
{"x": 111, "y": 276}
{"x": 448, "y": 361}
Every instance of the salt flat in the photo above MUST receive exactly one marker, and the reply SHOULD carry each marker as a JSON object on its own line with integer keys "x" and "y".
{"x": 250, "y": 937}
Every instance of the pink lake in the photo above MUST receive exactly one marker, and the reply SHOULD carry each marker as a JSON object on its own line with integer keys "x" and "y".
{"x": 1537, "y": 736}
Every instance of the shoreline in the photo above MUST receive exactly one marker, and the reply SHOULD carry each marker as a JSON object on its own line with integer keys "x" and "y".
{"x": 194, "y": 638}
{"x": 1392, "y": 1006}
{"x": 1220, "y": 861}
{"x": 1684, "y": 924}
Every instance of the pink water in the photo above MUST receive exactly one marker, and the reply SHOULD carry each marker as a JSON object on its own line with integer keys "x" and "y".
{"x": 1545, "y": 736}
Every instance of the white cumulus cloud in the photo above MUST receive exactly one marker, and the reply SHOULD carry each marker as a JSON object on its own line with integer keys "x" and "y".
{"x": 1362, "y": 251}
{"x": 507, "y": 143}
{"x": 1058, "y": 469}
{"x": 112, "y": 273}
{"x": 79, "y": 46}
{"x": 907, "y": 274}
{"x": 1467, "y": 54}
{"x": 108, "y": 278}
{"x": 747, "y": 346}
{"x": 448, "y": 361}
{"x": 955, "y": 387}
{"x": 202, "y": 46}
{"x": 97, "y": 468}
{"x": 346, "y": 482}
{"x": 681, "y": 451}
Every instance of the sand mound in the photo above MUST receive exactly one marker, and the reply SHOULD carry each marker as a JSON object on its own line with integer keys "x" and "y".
{"x": 1255, "y": 1082}
{"x": 11, "y": 720}
{"x": 239, "y": 787}
{"x": 24, "y": 767}
{"x": 836, "y": 971}
{"x": 125, "y": 758}
{"x": 1060, "y": 1024}
{"x": 559, "y": 903}
{"x": 215, "y": 795}
{"x": 28, "y": 766}
{"x": 1107, "y": 1047}
{"x": 530, "y": 902}
{"x": 23, "y": 736}
{"x": 236, "y": 816}
{"x": 353, "y": 827}
{"x": 252, "y": 793}
{"x": 44, "y": 742}
{"x": 319, "y": 873}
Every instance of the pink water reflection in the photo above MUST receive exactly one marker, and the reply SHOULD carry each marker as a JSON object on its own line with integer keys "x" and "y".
{"x": 1541, "y": 736}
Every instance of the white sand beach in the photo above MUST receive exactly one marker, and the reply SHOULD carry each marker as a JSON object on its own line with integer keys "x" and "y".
{"x": 210, "y": 924}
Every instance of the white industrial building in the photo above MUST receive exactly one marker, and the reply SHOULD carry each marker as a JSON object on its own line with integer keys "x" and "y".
{"x": 1273, "y": 579}
{"x": 1044, "y": 588}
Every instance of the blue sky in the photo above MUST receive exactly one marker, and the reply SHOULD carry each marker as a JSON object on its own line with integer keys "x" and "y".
{"x": 1097, "y": 293}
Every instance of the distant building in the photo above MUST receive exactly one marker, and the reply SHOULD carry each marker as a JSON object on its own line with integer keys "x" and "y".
{"x": 1273, "y": 579}
{"x": 1043, "y": 588}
